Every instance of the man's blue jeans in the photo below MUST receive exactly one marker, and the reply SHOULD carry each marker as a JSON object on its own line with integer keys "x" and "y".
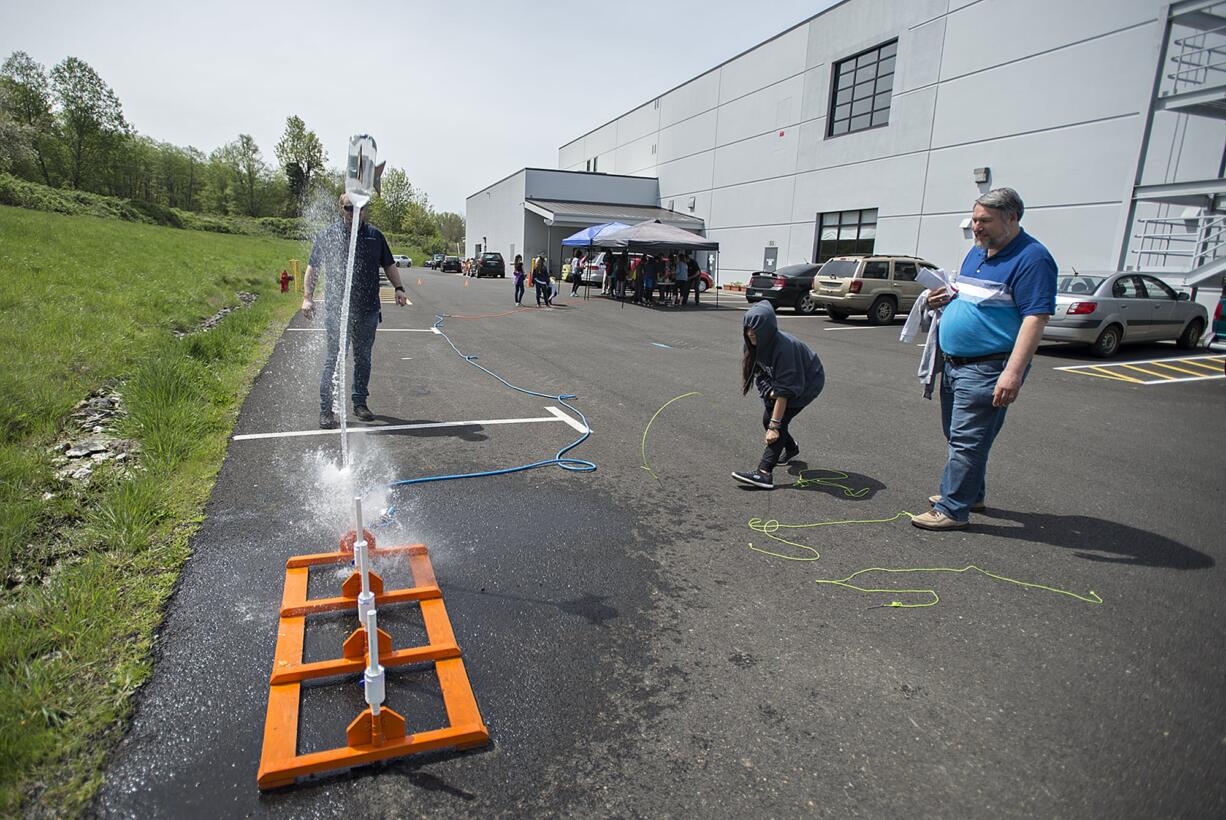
{"x": 362, "y": 327}
{"x": 970, "y": 423}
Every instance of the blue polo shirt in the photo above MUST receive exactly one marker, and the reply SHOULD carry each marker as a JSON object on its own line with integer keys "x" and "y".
{"x": 331, "y": 251}
{"x": 1026, "y": 268}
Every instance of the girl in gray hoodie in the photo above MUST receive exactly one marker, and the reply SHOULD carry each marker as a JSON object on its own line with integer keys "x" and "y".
{"x": 788, "y": 376}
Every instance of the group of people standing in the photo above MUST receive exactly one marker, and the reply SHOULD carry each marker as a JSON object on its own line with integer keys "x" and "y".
{"x": 672, "y": 276}
{"x": 649, "y": 279}
{"x": 541, "y": 278}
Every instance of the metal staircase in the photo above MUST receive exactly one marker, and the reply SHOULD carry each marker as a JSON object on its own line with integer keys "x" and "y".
{"x": 1187, "y": 249}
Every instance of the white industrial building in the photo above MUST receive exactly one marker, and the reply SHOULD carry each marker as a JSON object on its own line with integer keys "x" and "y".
{"x": 874, "y": 125}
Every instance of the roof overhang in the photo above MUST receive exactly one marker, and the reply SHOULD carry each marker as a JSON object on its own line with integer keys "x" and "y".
{"x": 583, "y": 214}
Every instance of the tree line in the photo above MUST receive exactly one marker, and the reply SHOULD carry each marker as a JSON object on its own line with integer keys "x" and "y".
{"x": 65, "y": 128}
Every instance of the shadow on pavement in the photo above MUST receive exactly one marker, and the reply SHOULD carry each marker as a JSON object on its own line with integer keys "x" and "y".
{"x": 473, "y": 432}
{"x": 1080, "y": 354}
{"x": 835, "y": 483}
{"x": 592, "y": 608}
{"x": 1091, "y": 536}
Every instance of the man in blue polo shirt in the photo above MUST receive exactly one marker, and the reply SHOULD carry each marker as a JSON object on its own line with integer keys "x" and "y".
{"x": 331, "y": 251}
{"x": 992, "y": 320}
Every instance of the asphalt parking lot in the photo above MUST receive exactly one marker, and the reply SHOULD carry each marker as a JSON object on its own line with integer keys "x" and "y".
{"x": 632, "y": 655}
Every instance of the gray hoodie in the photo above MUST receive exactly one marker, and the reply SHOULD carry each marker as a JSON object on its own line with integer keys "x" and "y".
{"x": 785, "y": 366}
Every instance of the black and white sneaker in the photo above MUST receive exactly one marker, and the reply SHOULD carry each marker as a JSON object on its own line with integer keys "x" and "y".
{"x": 363, "y": 412}
{"x": 788, "y": 455}
{"x": 756, "y": 479}
{"x": 327, "y": 420}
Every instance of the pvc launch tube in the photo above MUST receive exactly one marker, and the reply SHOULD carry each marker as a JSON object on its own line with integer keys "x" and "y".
{"x": 374, "y": 671}
{"x": 366, "y": 599}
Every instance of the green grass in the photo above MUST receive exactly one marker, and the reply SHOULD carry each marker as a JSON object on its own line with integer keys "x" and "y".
{"x": 86, "y": 301}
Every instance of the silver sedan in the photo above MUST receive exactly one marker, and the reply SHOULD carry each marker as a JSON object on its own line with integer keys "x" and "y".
{"x": 1107, "y": 311}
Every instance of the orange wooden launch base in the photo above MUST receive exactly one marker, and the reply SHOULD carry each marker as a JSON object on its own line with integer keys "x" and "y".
{"x": 369, "y": 738}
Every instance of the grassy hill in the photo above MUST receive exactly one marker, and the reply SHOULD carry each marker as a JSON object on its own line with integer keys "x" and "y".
{"x": 88, "y": 302}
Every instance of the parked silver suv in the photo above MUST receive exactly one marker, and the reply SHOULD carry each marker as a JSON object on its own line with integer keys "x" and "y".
{"x": 879, "y": 286}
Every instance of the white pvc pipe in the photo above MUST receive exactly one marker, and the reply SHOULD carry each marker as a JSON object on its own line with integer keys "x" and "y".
{"x": 375, "y": 689}
{"x": 366, "y": 599}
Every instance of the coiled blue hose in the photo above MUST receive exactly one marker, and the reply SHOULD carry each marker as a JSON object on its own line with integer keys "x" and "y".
{"x": 574, "y": 465}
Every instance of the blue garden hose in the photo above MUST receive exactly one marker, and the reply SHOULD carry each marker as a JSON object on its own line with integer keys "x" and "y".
{"x": 574, "y": 465}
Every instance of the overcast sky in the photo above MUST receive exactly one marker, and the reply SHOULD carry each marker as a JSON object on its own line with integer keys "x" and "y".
{"x": 459, "y": 94}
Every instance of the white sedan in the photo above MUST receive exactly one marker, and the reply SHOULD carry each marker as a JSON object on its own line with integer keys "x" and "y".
{"x": 1107, "y": 311}
{"x": 403, "y": 261}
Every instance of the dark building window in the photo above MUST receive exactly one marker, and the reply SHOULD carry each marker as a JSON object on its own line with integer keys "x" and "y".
{"x": 860, "y": 92}
{"x": 843, "y": 233}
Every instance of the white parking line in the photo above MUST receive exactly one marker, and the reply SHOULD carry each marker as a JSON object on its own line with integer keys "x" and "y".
{"x": 1145, "y": 361}
{"x": 856, "y": 327}
{"x": 569, "y": 419}
{"x": 1187, "y": 379}
{"x": 1192, "y": 367}
{"x": 433, "y": 330}
{"x": 555, "y": 416}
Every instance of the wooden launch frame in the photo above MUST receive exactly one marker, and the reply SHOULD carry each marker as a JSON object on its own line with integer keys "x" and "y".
{"x": 280, "y": 762}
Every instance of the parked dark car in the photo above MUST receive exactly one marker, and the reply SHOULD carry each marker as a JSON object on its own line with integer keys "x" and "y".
{"x": 491, "y": 264}
{"x": 435, "y": 261}
{"x": 789, "y": 286}
{"x": 452, "y": 263}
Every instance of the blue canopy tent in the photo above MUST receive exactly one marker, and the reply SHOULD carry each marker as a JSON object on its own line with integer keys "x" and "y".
{"x": 653, "y": 236}
{"x": 590, "y": 236}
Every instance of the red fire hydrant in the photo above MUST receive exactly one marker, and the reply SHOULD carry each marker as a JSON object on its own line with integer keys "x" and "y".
{"x": 285, "y": 280}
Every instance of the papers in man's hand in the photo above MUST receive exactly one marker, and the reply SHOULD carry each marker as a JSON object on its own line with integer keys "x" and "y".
{"x": 933, "y": 279}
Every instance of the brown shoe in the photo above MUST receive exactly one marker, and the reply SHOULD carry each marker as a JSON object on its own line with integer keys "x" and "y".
{"x": 978, "y": 506}
{"x": 936, "y": 520}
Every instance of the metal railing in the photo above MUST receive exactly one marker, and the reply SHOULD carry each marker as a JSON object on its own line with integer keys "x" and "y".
{"x": 1201, "y": 60}
{"x": 1187, "y": 242}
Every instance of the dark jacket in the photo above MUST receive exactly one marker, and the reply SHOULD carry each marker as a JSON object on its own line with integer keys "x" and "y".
{"x": 785, "y": 366}
{"x": 331, "y": 251}
{"x": 540, "y": 271}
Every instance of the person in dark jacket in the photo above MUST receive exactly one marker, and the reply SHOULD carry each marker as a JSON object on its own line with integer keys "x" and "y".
{"x": 788, "y": 375}
{"x": 520, "y": 276}
{"x": 540, "y": 278}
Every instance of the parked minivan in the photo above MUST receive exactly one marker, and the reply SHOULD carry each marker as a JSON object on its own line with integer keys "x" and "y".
{"x": 879, "y": 286}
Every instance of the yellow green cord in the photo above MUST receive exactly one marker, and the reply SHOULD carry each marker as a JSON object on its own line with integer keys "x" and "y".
{"x": 643, "y": 446}
{"x": 771, "y": 526}
{"x": 829, "y": 481}
{"x": 1092, "y": 598}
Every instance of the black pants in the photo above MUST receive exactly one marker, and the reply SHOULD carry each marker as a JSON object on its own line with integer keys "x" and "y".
{"x": 519, "y": 290}
{"x": 576, "y": 279}
{"x": 770, "y": 456}
{"x": 684, "y": 287}
{"x": 542, "y": 292}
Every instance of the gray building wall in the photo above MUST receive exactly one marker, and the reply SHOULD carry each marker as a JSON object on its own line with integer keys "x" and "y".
{"x": 1051, "y": 95}
{"x": 496, "y": 213}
